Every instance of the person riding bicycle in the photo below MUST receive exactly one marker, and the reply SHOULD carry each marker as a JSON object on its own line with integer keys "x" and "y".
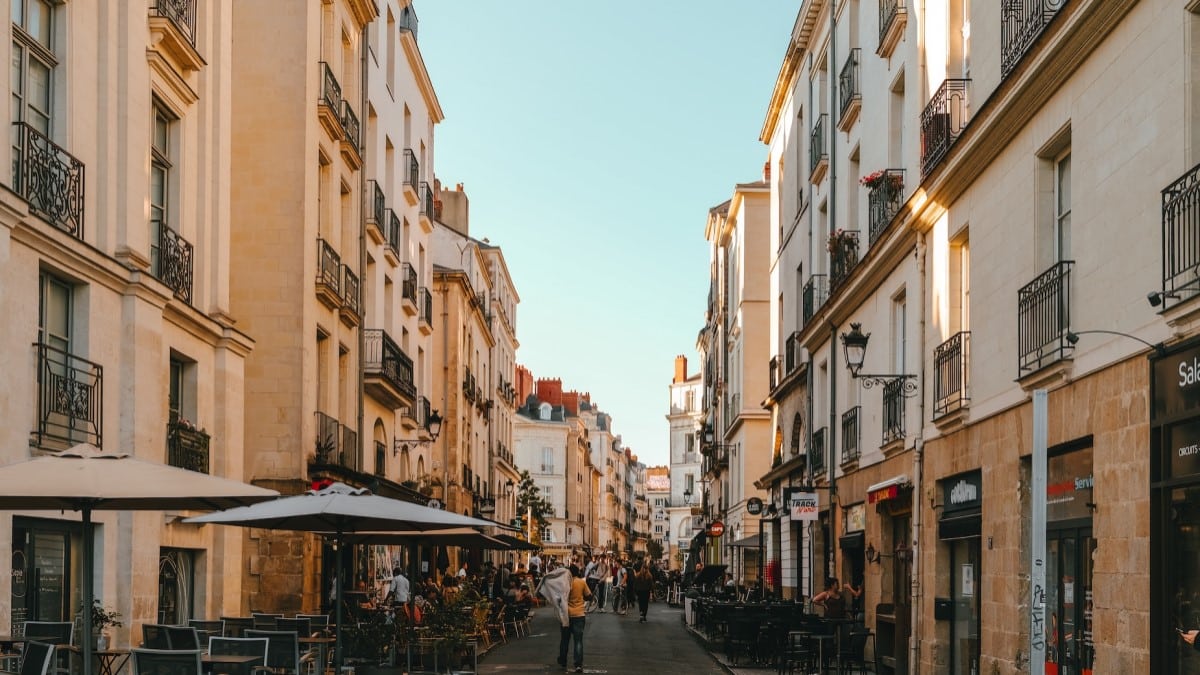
{"x": 620, "y": 584}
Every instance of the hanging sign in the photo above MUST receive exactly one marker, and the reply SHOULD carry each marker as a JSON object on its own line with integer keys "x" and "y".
{"x": 803, "y": 506}
{"x": 716, "y": 528}
{"x": 754, "y": 506}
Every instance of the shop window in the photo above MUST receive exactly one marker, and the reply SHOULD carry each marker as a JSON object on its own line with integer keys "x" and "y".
{"x": 176, "y": 586}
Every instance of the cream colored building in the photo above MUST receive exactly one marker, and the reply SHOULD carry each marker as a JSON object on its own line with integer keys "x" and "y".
{"x": 683, "y": 502}
{"x": 115, "y": 284}
{"x": 504, "y": 474}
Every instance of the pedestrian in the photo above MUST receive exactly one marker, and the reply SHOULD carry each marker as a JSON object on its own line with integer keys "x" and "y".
{"x": 567, "y": 591}
{"x": 398, "y": 590}
{"x": 643, "y": 581}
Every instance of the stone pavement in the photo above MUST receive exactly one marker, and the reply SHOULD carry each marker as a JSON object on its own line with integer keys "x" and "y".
{"x": 611, "y": 644}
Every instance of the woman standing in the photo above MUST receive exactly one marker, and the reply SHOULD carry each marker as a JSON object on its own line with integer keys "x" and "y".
{"x": 643, "y": 581}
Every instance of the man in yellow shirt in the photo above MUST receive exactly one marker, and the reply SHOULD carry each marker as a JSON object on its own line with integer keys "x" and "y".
{"x": 576, "y": 616}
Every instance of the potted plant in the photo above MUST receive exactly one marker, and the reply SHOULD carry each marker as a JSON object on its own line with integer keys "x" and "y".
{"x": 104, "y": 618}
{"x": 880, "y": 177}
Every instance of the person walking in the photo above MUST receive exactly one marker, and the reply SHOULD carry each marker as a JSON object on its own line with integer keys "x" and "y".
{"x": 643, "y": 581}
{"x": 567, "y": 591}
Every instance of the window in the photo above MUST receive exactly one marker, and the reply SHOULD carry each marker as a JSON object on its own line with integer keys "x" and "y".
{"x": 547, "y": 460}
{"x": 175, "y": 398}
{"x": 176, "y": 586}
{"x": 899, "y": 332}
{"x": 161, "y": 166}
{"x": 1062, "y": 207}
{"x": 33, "y": 62}
{"x": 960, "y": 278}
{"x": 54, "y": 313}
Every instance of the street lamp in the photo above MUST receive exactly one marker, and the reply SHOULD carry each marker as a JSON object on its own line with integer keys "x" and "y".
{"x": 855, "y": 345}
{"x": 433, "y": 425}
{"x": 509, "y": 487}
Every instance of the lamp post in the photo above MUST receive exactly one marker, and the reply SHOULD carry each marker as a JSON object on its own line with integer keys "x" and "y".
{"x": 855, "y": 345}
{"x": 433, "y": 425}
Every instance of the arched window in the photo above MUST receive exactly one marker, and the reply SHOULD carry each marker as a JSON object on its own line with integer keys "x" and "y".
{"x": 797, "y": 432}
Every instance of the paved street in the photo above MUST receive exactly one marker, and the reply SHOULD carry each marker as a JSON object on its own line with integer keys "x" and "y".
{"x": 612, "y": 644}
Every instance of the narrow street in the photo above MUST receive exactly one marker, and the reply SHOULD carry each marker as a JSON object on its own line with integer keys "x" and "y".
{"x": 612, "y": 644}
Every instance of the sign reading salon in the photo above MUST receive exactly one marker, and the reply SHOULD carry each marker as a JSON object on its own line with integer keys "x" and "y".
{"x": 1177, "y": 384}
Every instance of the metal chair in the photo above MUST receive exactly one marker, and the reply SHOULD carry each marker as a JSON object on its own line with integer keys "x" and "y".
{"x": 283, "y": 650}
{"x": 36, "y": 658}
{"x": 236, "y": 625}
{"x": 742, "y": 636}
{"x": 154, "y": 636}
{"x": 263, "y": 621}
{"x": 183, "y": 637}
{"x": 316, "y": 622}
{"x": 300, "y": 627}
{"x": 166, "y": 661}
{"x": 244, "y": 646}
{"x": 207, "y": 629}
{"x": 60, "y": 635}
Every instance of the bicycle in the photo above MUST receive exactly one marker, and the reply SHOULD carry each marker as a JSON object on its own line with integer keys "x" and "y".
{"x": 659, "y": 592}
{"x": 620, "y": 601}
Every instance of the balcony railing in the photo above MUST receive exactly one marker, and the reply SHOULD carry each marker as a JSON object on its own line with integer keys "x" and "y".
{"x": 1044, "y": 318}
{"x": 408, "y": 283}
{"x": 412, "y": 170}
{"x": 426, "y": 196}
{"x": 50, "y": 180}
{"x": 392, "y": 233}
{"x": 331, "y": 91}
{"x": 890, "y": 11}
{"x": 182, "y": 13}
{"x": 893, "y": 410}
{"x": 351, "y": 453}
{"x": 350, "y": 123}
{"x": 849, "y": 88}
{"x": 187, "y": 447}
{"x": 843, "y": 256}
{"x": 774, "y": 372}
{"x": 884, "y": 200}
{"x": 792, "y": 353}
{"x": 329, "y": 265}
{"x": 1021, "y": 22}
{"x": 380, "y": 458}
{"x": 376, "y": 206}
{"x": 70, "y": 392}
{"x": 349, "y": 289}
{"x": 816, "y": 291}
{"x": 816, "y": 144}
{"x": 942, "y": 121}
{"x": 850, "y": 435}
{"x": 425, "y": 305}
{"x": 384, "y": 359}
{"x": 816, "y": 453}
{"x": 1181, "y": 235}
{"x": 171, "y": 261}
{"x": 950, "y": 361}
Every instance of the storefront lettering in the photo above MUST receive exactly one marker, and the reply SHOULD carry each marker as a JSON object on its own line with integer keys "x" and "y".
{"x": 1189, "y": 373}
{"x": 964, "y": 492}
{"x": 1189, "y": 450}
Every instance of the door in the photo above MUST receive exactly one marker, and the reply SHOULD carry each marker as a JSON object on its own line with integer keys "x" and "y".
{"x": 965, "y": 591}
{"x": 42, "y": 581}
{"x": 1069, "y": 646}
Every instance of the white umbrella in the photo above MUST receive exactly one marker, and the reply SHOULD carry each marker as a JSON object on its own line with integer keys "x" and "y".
{"x": 459, "y": 536}
{"x": 85, "y": 478}
{"x": 336, "y": 511}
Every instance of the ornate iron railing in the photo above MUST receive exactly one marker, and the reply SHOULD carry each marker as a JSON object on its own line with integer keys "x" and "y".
{"x": 187, "y": 447}
{"x": 331, "y": 91}
{"x": 412, "y": 169}
{"x": 182, "y": 13}
{"x": 850, "y": 450}
{"x": 382, "y": 357}
{"x": 884, "y": 200}
{"x": 792, "y": 353}
{"x": 349, "y": 288}
{"x": 408, "y": 283}
{"x": 843, "y": 256}
{"x": 376, "y": 205}
{"x": 351, "y": 453}
{"x": 774, "y": 372}
{"x": 893, "y": 410}
{"x": 1021, "y": 23}
{"x": 425, "y": 305}
{"x": 950, "y": 361}
{"x": 889, "y": 11}
{"x": 1181, "y": 234}
{"x": 849, "y": 88}
{"x": 942, "y": 121}
{"x": 816, "y": 291}
{"x": 816, "y": 143}
{"x": 426, "y": 196}
{"x": 1044, "y": 318}
{"x": 350, "y": 123}
{"x": 816, "y": 453}
{"x": 50, "y": 180}
{"x": 70, "y": 392}
{"x": 329, "y": 265}
{"x": 329, "y": 439}
{"x": 392, "y": 233}
{"x": 171, "y": 261}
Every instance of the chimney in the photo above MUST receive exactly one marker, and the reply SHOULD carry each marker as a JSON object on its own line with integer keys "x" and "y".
{"x": 680, "y": 368}
{"x": 550, "y": 391}
{"x": 767, "y": 171}
{"x": 570, "y": 401}
{"x": 524, "y": 384}
{"x": 455, "y": 211}
{"x": 458, "y": 187}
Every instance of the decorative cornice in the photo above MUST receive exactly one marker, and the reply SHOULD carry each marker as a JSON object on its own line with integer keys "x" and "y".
{"x": 409, "y": 41}
{"x": 364, "y": 11}
{"x": 176, "y": 86}
{"x": 802, "y": 30}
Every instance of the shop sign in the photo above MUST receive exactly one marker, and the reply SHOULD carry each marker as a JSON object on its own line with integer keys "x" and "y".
{"x": 803, "y": 506}
{"x": 716, "y": 528}
{"x": 962, "y": 492}
{"x": 1176, "y": 387}
{"x": 754, "y": 506}
{"x": 1182, "y": 443}
{"x": 1069, "y": 485}
{"x": 856, "y": 518}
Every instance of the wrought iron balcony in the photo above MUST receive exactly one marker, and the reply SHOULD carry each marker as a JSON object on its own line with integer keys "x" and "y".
{"x": 818, "y": 155}
{"x": 182, "y": 13}
{"x": 50, "y": 180}
{"x": 329, "y": 268}
{"x": 1181, "y": 235}
{"x": 408, "y": 283}
{"x": 850, "y": 435}
{"x": 412, "y": 176}
{"x": 376, "y": 206}
{"x": 425, "y": 306}
{"x": 1021, "y": 23}
{"x": 392, "y": 234}
{"x": 849, "y": 90}
{"x": 884, "y": 200}
{"x": 942, "y": 121}
{"x": 388, "y": 370}
{"x": 468, "y": 385}
{"x": 425, "y": 194}
{"x": 774, "y": 372}
{"x": 349, "y": 289}
{"x": 892, "y": 18}
{"x": 187, "y": 447}
{"x": 171, "y": 261}
{"x": 816, "y": 453}
{"x": 1044, "y": 318}
{"x": 843, "y": 256}
{"x": 950, "y": 361}
{"x": 350, "y": 123}
{"x": 331, "y": 91}
{"x": 816, "y": 292}
{"x": 893, "y": 411}
{"x": 792, "y": 353}
{"x": 70, "y": 398}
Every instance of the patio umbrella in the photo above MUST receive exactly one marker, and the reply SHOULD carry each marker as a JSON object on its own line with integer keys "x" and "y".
{"x": 460, "y": 536}
{"x": 85, "y": 478}
{"x": 514, "y": 543}
{"x": 337, "y": 511}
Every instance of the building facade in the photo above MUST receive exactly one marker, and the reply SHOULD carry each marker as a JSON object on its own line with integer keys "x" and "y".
{"x": 686, "y": 422}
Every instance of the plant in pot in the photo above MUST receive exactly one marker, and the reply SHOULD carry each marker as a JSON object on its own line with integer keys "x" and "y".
{"x": 104, "y": 618}
{"x": 369, "y": 641}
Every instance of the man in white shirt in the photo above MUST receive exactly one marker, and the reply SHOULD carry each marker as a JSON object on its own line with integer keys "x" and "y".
{"x": 399, "y": 589}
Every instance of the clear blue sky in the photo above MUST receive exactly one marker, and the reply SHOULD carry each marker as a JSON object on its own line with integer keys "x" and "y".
{"x": 592, "y": 138}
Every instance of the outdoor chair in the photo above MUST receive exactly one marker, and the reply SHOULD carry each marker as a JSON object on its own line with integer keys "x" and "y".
{"x": 741, "y": 637}
{"x": 283, "y": 650}
{"x": 235, "y": 625}
{"x": 183, "y": 637}
{"x": 799, "y": 655}
{"x": 297, "y": 625}
{"x": 36, "y": 659}
{"x": 166, "y": 661}
{"x": 853, "y": 654}
{"x": 263, "y": 621}
{"x": 227, "y": 646}
{"x": 207, "y": 629}
{"x": 59, "y": 634}
{"x": 154, "y": 636}
{"x": 316, "y": 622}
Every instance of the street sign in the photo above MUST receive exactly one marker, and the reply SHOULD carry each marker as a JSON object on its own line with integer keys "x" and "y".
{"x": 716, "y": 528}
{"x": 754, "y": 506}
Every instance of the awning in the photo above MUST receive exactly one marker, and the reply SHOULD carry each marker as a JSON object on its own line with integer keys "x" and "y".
{"x": 885, "y": 490}
{"x": 748, "y": 542}
{"x": 961, "y": 524}
{"x": 854, "y": 540}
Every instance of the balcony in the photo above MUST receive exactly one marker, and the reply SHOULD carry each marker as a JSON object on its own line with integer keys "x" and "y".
{"x": 942, "y": 121}
{"x": 1044, "y": 318}
{"x": 843, "y": 256}
{"x": 187, "y": 447}
{"x": 408, "y": 289}
{"x": 1021, "y": 23}
{"x": 1181, "y": 236}
{"x": 172, "y": 25}
{"x": 337, "y": 444}
{"x": 388, "y": 371}
{"x": 377, "y": 210}
{"x": 774, "y": 372}
{"x": 171, "y": 261}
{"x": 350, "y": 310}
{"x": 849, "y": 91}
{"x": 950, "y": 360}
{"x": 425, "y": 197}
{"x": 70, "y": 398}
{"x": 351, "y": 134}
{"x": 884, "y": 199}
{"x": 424, "y": 310}
{"x": 329, "y": 105}
{"x": 893, "y": 17}
{"x": 392, "y": 250}
{"x": 893, "y": 411}
{"x": 818, "y": 154}
{"x": 181, "y": 14}
{"x": 816, "y": 453}
{"x": 850, "y": 436}
{"x": 50, "y": 181}
{"x": 329, "y": 268}
{"x": 468, "y": 385}
{"x": 412, "y": 177}
{"x": 816, "y": 292}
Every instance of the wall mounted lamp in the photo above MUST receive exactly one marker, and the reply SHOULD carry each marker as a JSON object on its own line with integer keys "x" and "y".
{"x": 433, "y": 424}
{"x": 855, "y": 345}
{"x": 1073, "y": 337}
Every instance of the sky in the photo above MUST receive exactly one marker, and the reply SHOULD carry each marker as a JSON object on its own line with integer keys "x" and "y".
{"x": 592, "y": 139}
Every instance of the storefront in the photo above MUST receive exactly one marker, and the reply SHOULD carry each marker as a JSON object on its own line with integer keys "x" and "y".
{"x": 959, "y": 528}
{"x": 853, "y": 543}
{"x": 1070, "y": 553}
{"x": 45, "y": 570}
{"x": 893, "y": 501}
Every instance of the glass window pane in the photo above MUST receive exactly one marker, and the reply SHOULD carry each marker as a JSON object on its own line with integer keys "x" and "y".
{"x": 161, "y": 127}
{"x": 17, "y": 81}
{"x": 18, "y": 12}
{"x": 38, "y": 21}
{"x": 1064, "y": 185}
{"x": 158, "y": 192}
{"x": 39, "y": 86}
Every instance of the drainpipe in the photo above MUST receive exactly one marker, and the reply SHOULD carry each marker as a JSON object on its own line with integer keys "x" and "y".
{"x": 831, "y": 550}
{"x": 921, "y": 253}
{"x": 362, "y": 243}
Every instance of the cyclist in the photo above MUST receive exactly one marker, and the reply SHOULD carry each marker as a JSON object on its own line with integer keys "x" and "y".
{"x": 620, "y": 583}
